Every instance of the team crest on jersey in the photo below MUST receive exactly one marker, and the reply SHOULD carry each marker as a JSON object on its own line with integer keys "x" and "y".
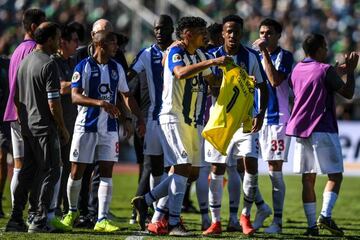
{"x": 75, "y": 153}
{"x": 114, "y": 74}
{"x": 184, "y": 154}
{"x": 75, "y": 77}
{"x": 176, "y": 58}
{"x": 209, "y": 153}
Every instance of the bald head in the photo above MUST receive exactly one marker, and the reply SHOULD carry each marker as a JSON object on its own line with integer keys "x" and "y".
{"x": 101, "y": 25}
{"x": 102, "y": 37}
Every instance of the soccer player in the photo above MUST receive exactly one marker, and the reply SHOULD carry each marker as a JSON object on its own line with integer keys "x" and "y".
{"x": 69, "y": 42}
{"x": 273, "y": 142}
{"x": 182, "y": 110}
{"x": 149, "y": 60}
{"x": 95, "y": 84}
{"x": 38, "y": 94}
{"x": 242, "y": 144}
{"x": 314, "y": 128}
{"x": 32, "y": 18}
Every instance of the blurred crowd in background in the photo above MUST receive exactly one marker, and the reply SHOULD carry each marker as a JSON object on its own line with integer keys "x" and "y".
{"x": 338, "y": 20}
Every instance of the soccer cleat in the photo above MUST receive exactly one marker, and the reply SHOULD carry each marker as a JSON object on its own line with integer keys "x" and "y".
{"x": 247, "y": 228}
{"x": 16, "y": 226}
{"x": 178, "y": 231}
{"x": 85, "y": 221}
{"x": 141, "y": 208}
{"x": 313, "y": 231}
{"x": 214, "y": 229}
{"x": 329, "y": 224}
{"x": 56, "y": 224}
{"x": 261, "y": 214}
{"x": 274, "y": 228}
{"x": 233, "y": 226}
{"x": 105, "y": 225}
{"x": 70, "y": 218}
{"x": 159, "y": 227}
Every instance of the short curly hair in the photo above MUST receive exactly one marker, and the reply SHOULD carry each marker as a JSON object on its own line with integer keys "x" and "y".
{"x": 189, "y": 22}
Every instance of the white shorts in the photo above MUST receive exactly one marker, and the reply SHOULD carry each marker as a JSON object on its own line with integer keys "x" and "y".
{"x": 152, "y": 144}
{"x": 241, "y": 145}
{"x": 17, "y": 140}
{"x": 91, "y": 147}
{"x": 244, "y": 145}
{"x": 320, "y": 153}
{"x": 274, "y": 144}
{"x": 183, "y": 143}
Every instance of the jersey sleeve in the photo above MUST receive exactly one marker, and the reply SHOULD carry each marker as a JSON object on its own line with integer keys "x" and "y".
{"x": 175, "y": 58}
{"x": 122, "y": 85}
{"x": 138, "y": 64}
{"x": 51, "y": 74}
{"x": 77, "y": 80}
{"x": 286, "y": 63}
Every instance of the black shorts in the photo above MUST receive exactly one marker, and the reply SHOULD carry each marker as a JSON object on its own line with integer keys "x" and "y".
{"x": 5, "y": 135}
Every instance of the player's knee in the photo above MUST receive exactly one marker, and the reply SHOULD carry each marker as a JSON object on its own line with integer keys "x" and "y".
{"x": 157, "y": 166}
{"x": 336, "y": 177}
{"x": 308, "y": 179}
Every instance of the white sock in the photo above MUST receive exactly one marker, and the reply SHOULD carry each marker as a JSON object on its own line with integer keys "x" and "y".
{"x": 154, "y": 181}
{"x": 161, "y": 209}
{"x": 310, "y": 213}
{"x": 177, "y": 190}
{"x": 56, "y": 192}
{"x": 234, "y": 189}
{"x": 202, "y": 193}
{"x": 278, "y": 194}
{"x": 159, "y": 191}
{"x": 215, "y": 196}
{"x": 104, "y": 195}
{"x": 73, "y": 190}
{"x": 329, "y": 199}
{"x": 250, "y": 191}
{"x": 14, "y": 183}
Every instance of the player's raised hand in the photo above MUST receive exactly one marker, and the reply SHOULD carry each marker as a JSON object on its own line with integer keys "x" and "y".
{"x": 111, "y": 109}
{"x": 222, "y": 61}
{"x": 351, "y": 62}
{"x": 260, "y": 44}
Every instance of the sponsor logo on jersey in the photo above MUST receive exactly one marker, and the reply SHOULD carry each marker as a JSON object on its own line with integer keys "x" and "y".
{"x": 184, "y": 154}
{"x": 105, "y": 91}
{"x": 75, "y": 153}
{"x": 75, "y": 77}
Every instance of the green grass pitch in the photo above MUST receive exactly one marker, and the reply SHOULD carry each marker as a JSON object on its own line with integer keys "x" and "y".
{"x": 346, "y": 213}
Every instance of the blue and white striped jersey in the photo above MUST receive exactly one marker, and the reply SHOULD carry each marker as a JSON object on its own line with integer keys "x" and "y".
{"x": 98, "y": 81}
{"x": 278, "y": 110}
{"x": 183, "y": 99}
{"x": 149, "y": 60}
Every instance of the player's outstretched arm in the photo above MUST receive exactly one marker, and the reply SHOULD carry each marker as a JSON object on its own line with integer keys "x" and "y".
{"x": 184, "y": 72}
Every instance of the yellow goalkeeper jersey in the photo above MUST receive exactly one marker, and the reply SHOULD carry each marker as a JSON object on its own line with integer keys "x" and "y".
{"x": 232, "y": 108}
